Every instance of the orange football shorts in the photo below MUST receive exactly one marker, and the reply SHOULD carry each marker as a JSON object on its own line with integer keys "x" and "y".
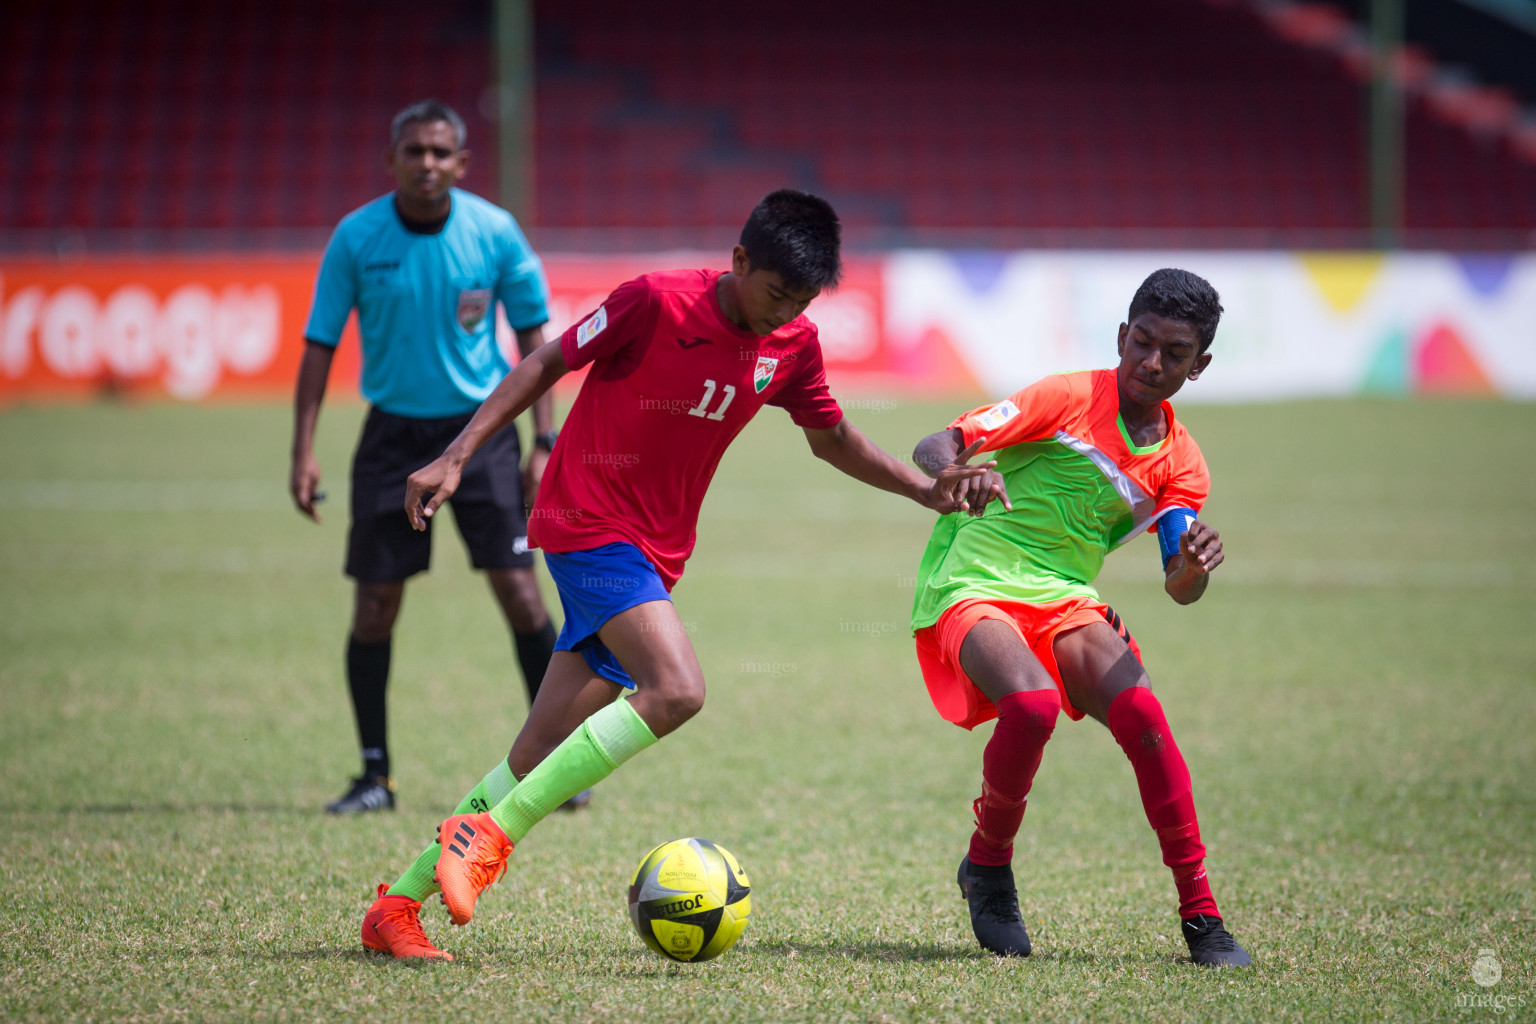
{"x": 954, "y": 696}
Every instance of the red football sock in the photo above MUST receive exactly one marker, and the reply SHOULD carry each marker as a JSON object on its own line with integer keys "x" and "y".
{"x": 1025, "y": 721}
{"x": 1136, "y": 719}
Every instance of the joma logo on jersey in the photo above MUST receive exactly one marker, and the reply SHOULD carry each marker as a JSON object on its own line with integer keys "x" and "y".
{"x": 762, "y": 373}
{"x": 680, "y": 906}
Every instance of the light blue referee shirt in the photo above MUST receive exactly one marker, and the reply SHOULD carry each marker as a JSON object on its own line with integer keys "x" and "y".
{"x": 425, "y": 302}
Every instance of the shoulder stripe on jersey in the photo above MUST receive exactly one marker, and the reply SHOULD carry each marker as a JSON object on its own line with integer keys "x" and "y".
{"x": 1143, "y": 510}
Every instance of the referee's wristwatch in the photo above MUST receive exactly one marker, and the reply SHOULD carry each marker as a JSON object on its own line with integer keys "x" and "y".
{"x": 546, "y": 440}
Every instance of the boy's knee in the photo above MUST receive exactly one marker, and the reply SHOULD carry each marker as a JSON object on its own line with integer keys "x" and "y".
{"x": 668, "y": 701}
{"x": 1136, "y": 719}
{"x": 683, "y": 699}
{"x": 1124, "y": 683}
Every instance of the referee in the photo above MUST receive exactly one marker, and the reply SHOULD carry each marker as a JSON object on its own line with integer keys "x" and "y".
{"x": 424, "y": 267}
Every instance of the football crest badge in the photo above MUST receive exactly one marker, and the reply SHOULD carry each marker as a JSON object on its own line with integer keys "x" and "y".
{"x": 474, "y": 303}
{"x": 763, "y": 373}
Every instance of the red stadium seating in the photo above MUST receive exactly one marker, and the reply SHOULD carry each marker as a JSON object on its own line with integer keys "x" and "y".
{"x": 1182, "y": 121}
{"x": 164, "y": 115}
{"x": 1178, "y": 116}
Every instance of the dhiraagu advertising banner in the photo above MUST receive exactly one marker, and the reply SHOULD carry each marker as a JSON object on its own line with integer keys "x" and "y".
{"x": 913, "y": 322}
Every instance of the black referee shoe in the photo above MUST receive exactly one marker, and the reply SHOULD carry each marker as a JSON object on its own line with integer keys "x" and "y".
{"x": 368, "y": 793}
{"x": 1211, "y": 945}
{"x": 994, "y": 906}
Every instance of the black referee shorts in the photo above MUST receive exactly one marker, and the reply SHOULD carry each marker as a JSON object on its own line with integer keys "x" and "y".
{"x": 487, "y": 507}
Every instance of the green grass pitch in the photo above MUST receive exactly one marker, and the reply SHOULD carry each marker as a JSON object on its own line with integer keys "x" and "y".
{"x": 1354, "y": 696}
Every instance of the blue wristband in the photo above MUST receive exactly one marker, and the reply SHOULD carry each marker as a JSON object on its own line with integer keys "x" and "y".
{"x": 1170, "y": 528}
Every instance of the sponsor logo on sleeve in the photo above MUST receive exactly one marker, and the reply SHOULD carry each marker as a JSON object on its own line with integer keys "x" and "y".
{"x": 593, "y": 327}
{"x": 999, "y": 414}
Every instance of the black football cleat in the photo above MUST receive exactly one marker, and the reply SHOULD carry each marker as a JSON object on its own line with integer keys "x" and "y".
{"x": 1211, "y": 945}
{"x": 368, "y": 793}
{"x": 994, "y": 906}
{"x": 578, "y": 801}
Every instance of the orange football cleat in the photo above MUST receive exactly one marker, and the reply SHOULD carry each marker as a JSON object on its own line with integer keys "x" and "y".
{"x": 474, "y": 857}
{"x": 392, "y": 926}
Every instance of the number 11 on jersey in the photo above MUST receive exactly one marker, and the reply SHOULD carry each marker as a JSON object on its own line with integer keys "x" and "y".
{"x": 709, "y": 393}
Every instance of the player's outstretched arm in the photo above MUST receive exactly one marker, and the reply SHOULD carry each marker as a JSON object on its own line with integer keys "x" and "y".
{"x": 939, "y": 452}
{"x": 518, "y": 390}
{"x": 846, "y": 448}
{"x": 304, "y": 470}
{"x": 1189, "y": 571}
{"x": 543, "y": 418}
{"x": 530, "y": 341}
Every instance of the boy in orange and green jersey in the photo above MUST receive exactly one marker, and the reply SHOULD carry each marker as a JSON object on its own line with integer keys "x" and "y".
{"x": 1008, "y": 624}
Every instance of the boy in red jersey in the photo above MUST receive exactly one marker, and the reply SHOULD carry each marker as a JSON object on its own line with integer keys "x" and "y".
{"x": 1009, "y": 626}
{"x": 680, "y": 362}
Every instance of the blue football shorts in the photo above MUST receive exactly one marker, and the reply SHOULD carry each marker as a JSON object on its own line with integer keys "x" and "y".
{"x": 595, "y": 585}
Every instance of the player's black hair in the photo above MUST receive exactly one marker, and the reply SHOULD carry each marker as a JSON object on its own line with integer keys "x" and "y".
{"x": 427, "y": 112}
{"x": 1180, "y": 295}
{"x": 798, "y": 236}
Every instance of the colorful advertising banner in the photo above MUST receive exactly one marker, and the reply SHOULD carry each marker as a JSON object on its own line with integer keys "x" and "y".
{"x": 1296, "y": 325}
{"x": 915, "y": 322}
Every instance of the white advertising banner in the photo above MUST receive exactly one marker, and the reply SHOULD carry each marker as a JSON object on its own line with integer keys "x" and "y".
{"x": 1296, "y": 325}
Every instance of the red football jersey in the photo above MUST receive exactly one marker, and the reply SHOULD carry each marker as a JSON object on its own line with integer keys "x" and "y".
{"x": 671, "y": 385}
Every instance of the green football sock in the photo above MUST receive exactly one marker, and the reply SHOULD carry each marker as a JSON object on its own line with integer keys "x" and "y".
{"x": 590, "y": 754}
{"x": 419, "y": 880}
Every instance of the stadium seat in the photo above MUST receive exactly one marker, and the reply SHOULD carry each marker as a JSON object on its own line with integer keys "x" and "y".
{"x": 272, "y": 114}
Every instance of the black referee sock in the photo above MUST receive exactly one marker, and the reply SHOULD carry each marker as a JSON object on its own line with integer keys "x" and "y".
{"x": 533, "y": 653}
{"x": 367, "y": 677}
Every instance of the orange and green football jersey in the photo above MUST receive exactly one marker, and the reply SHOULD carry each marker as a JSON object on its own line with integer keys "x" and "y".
{"x": 1079, "y": 489}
